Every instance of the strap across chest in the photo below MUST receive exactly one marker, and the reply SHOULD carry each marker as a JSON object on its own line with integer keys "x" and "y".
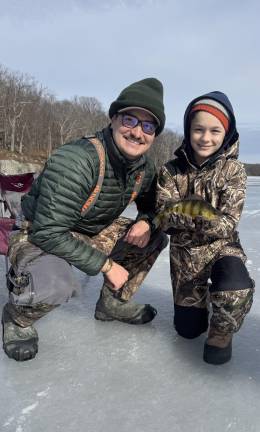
{"x": 102, "y": 164}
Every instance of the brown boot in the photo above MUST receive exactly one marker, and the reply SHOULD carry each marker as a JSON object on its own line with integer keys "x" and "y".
{"x": 110, "y": 308}
{"x": 218, "y": 347}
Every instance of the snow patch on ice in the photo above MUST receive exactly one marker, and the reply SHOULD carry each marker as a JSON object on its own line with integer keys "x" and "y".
{"x": 22, "y": 418}
{"x": 251, "y": 212}
{"x": 8, "y": 421}
{"x": 30, "y": 408}
{"x": 231, "y": 425}
{"x": 43, "y": 393}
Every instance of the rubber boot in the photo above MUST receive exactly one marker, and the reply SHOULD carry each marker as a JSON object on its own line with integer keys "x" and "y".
{"x": 218, "y": 348}
{"x": 109, "y": 308}
{"x": 19, "y": 343}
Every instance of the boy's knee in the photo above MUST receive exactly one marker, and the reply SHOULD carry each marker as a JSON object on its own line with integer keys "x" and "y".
{"x": 230, "y": 273}
{"x": 190, "y": 322}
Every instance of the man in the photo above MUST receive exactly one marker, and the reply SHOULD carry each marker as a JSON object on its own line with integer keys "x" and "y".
{"x": 73, "y": 218}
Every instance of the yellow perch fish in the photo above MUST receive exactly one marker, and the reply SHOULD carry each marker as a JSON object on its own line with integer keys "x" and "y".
{"x": 192, "y": 206}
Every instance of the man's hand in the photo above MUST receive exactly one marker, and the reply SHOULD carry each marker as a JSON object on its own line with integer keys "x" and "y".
{"x": 139, "y": 234}
{"x": 117, "y": 276}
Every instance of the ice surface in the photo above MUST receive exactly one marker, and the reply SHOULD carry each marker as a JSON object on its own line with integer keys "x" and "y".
{"x": 91, "y": 376}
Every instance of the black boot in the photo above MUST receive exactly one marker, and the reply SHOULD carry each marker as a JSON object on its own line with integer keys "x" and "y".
{"x": 19, "y": 343}
{"x": 110, "y": 308}
{"x": 218, "y": 348}
{"x": 217, "y": 356}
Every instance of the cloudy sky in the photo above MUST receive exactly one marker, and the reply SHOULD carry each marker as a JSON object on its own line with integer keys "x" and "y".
{"x": 96, "y": 48}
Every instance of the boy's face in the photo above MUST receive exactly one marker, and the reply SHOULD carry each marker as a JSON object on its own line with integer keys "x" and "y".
{"x": 206, "y": 135}
{"x": 133, "y": 143}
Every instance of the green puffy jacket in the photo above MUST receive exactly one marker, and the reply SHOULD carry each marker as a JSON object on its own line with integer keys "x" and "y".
{"x": 55, "y": 201}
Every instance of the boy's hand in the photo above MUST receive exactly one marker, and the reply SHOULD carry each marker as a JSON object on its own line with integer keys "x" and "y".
{"x": 202, "y": 224}
{"x": 178, "y": 221}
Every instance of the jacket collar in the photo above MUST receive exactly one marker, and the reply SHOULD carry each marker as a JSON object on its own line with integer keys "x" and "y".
{"x": 186, "y": 156}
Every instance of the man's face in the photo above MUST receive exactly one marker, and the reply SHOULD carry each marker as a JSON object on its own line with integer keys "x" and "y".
{"x": 132, "y": 142}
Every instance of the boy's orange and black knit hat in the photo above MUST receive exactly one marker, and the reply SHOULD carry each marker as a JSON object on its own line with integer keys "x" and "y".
{"x": 215, "y": 108}
{"x": 218, "y": 104}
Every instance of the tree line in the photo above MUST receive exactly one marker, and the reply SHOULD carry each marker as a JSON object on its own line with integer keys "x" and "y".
{"x": 252, "y": 169}
{"x": 34, "y": 123}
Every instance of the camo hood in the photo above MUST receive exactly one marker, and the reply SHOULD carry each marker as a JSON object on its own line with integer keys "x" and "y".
{"x": 230, "y": 138}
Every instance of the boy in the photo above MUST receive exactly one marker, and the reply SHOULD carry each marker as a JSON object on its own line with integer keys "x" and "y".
{"x": 207, "y": 167}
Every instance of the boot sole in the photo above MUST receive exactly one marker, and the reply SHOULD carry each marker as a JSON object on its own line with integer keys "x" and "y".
{"x": 20, "y": 350}
{"x": 217, "y": 356}
{"x": 102, "y": 316}
{"x": 146, "y": 317}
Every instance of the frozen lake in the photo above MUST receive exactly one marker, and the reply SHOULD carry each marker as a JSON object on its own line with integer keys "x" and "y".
{"x": 91, "y": 376}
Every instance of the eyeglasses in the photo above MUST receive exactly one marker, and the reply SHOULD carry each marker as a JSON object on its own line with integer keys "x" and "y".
{"x": 130, "y": 121}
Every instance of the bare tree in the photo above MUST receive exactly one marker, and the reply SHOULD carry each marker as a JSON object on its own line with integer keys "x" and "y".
{"x": 164, "y": 147}
{"x": 33, "y": 122}
{"x": 91, "y": 114}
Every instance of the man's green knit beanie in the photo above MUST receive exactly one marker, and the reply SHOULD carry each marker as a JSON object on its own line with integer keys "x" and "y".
{"x": 146, "y": 94}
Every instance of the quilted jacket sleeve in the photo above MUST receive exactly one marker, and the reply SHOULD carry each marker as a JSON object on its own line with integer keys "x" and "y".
{"x": 66, "y": 183}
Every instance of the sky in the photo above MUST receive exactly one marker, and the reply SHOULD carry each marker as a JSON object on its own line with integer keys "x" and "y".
{"x": 96, "y": 48}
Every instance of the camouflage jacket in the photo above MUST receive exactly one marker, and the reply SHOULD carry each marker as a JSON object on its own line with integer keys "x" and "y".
{"x": 222, "y": 183}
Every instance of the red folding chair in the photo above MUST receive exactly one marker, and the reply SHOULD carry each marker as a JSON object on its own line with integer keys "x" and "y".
{"x": 12, "y": 187}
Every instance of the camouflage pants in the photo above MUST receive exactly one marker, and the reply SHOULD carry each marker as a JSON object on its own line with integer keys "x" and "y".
{"x": 197, "y": 282}
{"x": 48, "y": 280}
{"x": 137, "y": 261}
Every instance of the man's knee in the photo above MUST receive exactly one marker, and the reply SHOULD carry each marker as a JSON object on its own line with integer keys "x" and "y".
{"x": 190, "y": 322}
{"x": 50, "y": 281}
